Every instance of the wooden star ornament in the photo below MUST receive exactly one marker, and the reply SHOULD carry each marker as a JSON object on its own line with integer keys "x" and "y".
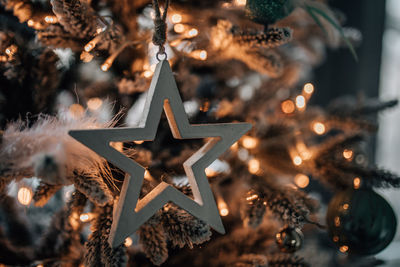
{"x": 130, "y": 211}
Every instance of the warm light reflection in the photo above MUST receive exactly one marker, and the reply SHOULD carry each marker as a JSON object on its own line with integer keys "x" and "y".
{"x": 240, "y": 2}
{"x": 301, "y": 180}
{"x": 210, "y": 172}
{"x": 119, "y": 146}
{"x": 287, "y": 106}
{"x": 249, "y": 142}
{"x": 223, "y": 208}
{"x": 138, "y": 142}
{"x": 318, "y": 128}
{"x": 25, "y": 195}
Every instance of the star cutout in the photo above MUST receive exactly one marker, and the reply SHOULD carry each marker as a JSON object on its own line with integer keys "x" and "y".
{"x": 131, "y": 212}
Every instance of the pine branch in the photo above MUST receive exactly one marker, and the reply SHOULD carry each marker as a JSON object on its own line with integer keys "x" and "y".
{"x": 287, "y": 260}
{"x": 55, "y": 36}
{"x": 270, "y": 38}
{"x": 251, "y": 260}
{"x": 44, "y": 192}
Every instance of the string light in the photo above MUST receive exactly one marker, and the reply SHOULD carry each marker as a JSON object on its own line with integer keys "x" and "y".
{"x": 319, "y": 128}
{"x": 301, "y": 180}
{"x": 345, "y": 206}
{"x": 94, "y": 103}
{"x": 30, "y": 23}
{"x": 128, "y": 242}
{"x": 240, "y": 2}
{"x": 337, "y": 221}
{"x": 348, "y": 154}
{"x": 50, "y": 19}
{"x": 105, "y": 66}
{"x": 89, "y": 46}
{"x": 179, "y": 28}
{"x": 297, "y": 160}
{"x": 249, "y": 142}
{"x": 287, "y": 106}
{"x": 199, "y": 54}
{"x": 300, "y": 102}
{"x": 176, "y": 18}
{"x": 335, "y": 238}
{"x": 308, "y": 88}
{"x": 25, "y": 195}
{"x": 303, "y": 151}
{"x": 223, "y": 207}
{"x": 344, "y": 249}
{"x": 85, "y": 217}
{"x": 356, "y": 183}
{"x": 254, "y": 166}
{"x": 192, "y": 33}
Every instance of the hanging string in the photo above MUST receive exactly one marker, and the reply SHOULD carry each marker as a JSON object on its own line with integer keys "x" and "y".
{"x": 160, "y": 28}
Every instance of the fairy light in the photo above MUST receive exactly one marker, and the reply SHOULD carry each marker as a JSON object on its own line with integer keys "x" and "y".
{"x": 297, "y": 160}
{"x": 319, "y": 128}
{"x": 335, "y": 238}
{"x": 348, "y": 154}
{"x": 301, "y": 180}
{"x": 300, "y": 102}
{"x": 128, "y": 242}
{"x": 179, "y": 28}
{"x": 176, "y": 18}
{"x": 222, "y": 207}
{"x": 192, "y": 32}
{"x": 337, "y": 221}
{"x": 345, "y": 206}
{"x": 303, "y": 151}
{"x": 308, "y": 88}
{"x": 86, "y": 57}
{"x": 249, "y": 142}
{"x": 252, "y": 197}
{"x": 105, "y": 66}
{"x": 89, "y": 46}
{"x": 254, "y": 166}
{"x": 85, "y": 217}
{"x": 50, "y": 19}
{"x": 287, "y": 106}
{"x": 11, "y": 50}
{"x": 147, "y": 73}
{"x": 240, "y": 2}
{"x": 94, "y": 103}
{"x": 344, "y": 249}
{"x": 31, "y": 23}
{"x": 199, "y": 54}
{"x": 356, "y": 183}
{"x": 25, "y": 195}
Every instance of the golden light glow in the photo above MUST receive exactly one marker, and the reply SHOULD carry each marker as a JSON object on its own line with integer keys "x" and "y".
{"x": 319, "y": 128}
{"x": 348, "y": 154}
{"x": 138, "y": 142}
{"x": 356, "y": 183}
{"x": 235, "y": 146}
{"x": 199, "y": 54}
{"x": 119, "y": 146}
{"x": 300, "y": 102}
{"x": 39, "y": 265}
{"x": 89, "y": 46}
{"x": 303, "y": 151}
{"x": 147, "y": 73}
{"x": 30, "y": 23}
{"x": 86, "y": 57}
{"x": 99, "y": 30}
{"x": 308, "y": 88}
{"x": 254, "y": 166}
{"x": 240, "y": 2}
{"x": 176, "y": 18}
{"x": 11, "y": 50}
{"x": 179, "y": 28}
{"x": 105, "y": 66}
{"x": 193, "y": 32}
{"x": 148, "y": 176}
{"x": 301, "y": 180}
{"x": 74, "y": 220}
{"x": 335, "y": 238}
{"x": 94, "y": 103}
{"x": 85, "y": 217}
{"x": 297, "y": 160}
{"x": 287, "y": 106}
{"x": 128, "y": 242}
{"x": 76, "y": 111}
{"x": 249, "y": 142}
{"x": 252, "y": 197}
{"x": 344, "y": 249}
{"x": 223, "y": 208}
{"x": 50, "y": 19}
{"x": 25, "y": 195}
{"x": 345, "y": 206}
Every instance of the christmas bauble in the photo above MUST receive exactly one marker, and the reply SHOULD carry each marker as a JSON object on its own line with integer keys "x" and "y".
{"x": 361, "y": 221}
{"x": 289, "y": 239}
{"x": 268, "y": 11}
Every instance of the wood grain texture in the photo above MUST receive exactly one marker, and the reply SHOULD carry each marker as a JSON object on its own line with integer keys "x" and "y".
{"x": 131, "y": 212}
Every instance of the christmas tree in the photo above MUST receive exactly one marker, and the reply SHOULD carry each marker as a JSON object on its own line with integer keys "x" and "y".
{"x": 86, "y": 151}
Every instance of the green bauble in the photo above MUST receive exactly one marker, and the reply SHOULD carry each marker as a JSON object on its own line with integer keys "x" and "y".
{"x": 268, "y": 11}
{"x": 361, "y": 222}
